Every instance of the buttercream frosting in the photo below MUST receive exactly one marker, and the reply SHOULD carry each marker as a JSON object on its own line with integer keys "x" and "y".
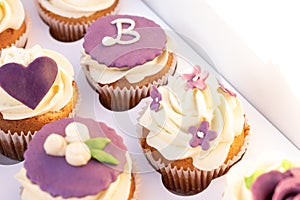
{"x": 105, "y": 75}
{"x": 12, "y": 14}
{"x": 236, "y": 188}
{"x": 76, "y": 8}
{"x": 181, "y": 108}
{"x": 57, "y": 97}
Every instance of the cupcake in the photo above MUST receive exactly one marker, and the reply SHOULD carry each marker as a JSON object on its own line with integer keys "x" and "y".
{"x": 68, "y": 20}
{"x": 193, "y": 131}
{"x": 36, "y": 87}
{"x": 13, "y": 24}
{"x": 78, "y": 158}
{"x": 271, "y": 176}
{"x": 122, "y": 59}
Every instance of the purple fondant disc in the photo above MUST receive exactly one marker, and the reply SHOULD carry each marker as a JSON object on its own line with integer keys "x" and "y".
{"x": 56, "y": 177}
{"x": 150, "y": 45}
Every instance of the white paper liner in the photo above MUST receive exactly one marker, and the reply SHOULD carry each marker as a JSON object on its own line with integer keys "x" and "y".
{"x": 122, "y": 99}
{"x": 13, "y": 145}
{"x": 189, "y": 182}
{"x": 22, "y": 40}
{"x": 137, "y": 181}
{"x": 67, "y": 32}
{"x": 77, "y": 105}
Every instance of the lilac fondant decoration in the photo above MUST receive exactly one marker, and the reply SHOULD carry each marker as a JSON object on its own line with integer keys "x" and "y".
{"x": 56, "y": 177}
{"x": 277, "y": 185}
{"x": 264, "y": 185}
{"x": 288, "y": 187}
{"x": 29, "y": 84}
{"x": 151, "y": 43}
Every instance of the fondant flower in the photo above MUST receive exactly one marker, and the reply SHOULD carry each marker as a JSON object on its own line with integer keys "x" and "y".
{"x": 202, "y": 135}
{"x": 196, "y": 79}
{"x": 156, "y": 98}
{"x": 77, "y": 147}
{"x": 225, "y": 90}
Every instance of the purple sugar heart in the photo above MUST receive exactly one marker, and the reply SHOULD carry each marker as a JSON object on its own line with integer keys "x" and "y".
{"x": 29, "y": 84}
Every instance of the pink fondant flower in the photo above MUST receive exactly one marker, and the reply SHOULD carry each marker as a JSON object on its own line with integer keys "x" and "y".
{"x": 156, "y": 98}
{"x": 196, "y": 79}
{"x": 202, "y": 135}
{"x": 225, "y": 90}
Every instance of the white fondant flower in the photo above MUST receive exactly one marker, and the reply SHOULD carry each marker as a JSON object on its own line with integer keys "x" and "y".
{"x": 77, "y": 154}
{"x": 55, "y": 145}
{"x": 77, "y": 132}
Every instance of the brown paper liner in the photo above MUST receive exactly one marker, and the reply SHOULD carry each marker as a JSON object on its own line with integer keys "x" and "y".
{"x": 122, "y": 99}
{"x": 63, "y": 31}
{"x": 188, "y": 181}
{"x": 13, "y": 145}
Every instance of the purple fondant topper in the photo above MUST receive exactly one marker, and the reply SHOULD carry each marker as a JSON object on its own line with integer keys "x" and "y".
{"x": 150, "y": 44}
{"x": 58, "y": 178}
{"x": 29, "y": 84}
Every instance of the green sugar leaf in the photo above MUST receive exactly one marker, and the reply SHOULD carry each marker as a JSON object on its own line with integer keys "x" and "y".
{"x": 102, "y": 156}
{"x": 286, "y": 164}
{"x": 97, "y": 143}
{"x": 250, "y": 179}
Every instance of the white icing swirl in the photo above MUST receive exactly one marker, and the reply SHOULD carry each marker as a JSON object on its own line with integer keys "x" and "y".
{"x": 268, "y": 161}
{"x": 57, "y": 97}
{"x": 120, "y": 189}
{"x": 75, "y": 8}
{"x": 105, "y": 75}
{"x": 12, "y": 14}
{"x": 180, "y": 109}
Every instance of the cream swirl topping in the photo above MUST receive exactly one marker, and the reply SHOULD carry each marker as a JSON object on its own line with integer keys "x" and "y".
{"x": 12, "y": 14}
{"x": 57, "y": 97}
{"x": 181, "y": 108}
{"x": 105, "y": 75}
{"x": 75, "y": 8}
{"x": 116, "y": 191}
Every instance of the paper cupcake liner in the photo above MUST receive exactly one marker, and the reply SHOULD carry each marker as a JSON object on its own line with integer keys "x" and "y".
{"x": 76, "y": 106}
{"x": 13, "y": 145}
{"x": 64, "y": 31}
{"x": 187, "y": 181}
{"x": 137, "y": 181}
{"x": 122, "y": 99}
{"x": 22, "y": 40}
